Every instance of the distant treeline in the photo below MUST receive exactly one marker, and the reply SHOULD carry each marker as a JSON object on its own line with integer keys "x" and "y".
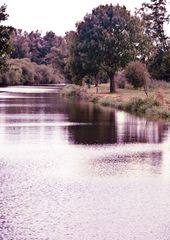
{"x": 34, "y": 46}
{"x": 25, "y": 72}
{"x": 37, "y": 59}
{"x": 34, "y": 58}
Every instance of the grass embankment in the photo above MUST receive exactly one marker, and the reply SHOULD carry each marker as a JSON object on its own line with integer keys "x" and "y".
{"x": 155, "y": 106}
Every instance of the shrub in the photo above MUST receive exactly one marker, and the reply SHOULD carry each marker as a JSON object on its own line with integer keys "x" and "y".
{"x": 25, "y": 72}
{"x": 140, "y": 106}
{"x": 71, "y": 91}
{"x": 110, "y": 102}
{"x": 158, "y": 112}
{"x": 137, "y": 75}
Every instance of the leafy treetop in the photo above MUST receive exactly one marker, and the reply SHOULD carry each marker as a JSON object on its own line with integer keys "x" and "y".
{"x": 5, "y": 44}
{"x": 107, "y": 39}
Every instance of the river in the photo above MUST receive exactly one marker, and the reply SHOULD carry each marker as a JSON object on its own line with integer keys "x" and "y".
{"x": 71, "y": 170}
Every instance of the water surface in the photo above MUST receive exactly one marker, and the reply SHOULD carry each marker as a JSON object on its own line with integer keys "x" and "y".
{"x": 72, "y": 170}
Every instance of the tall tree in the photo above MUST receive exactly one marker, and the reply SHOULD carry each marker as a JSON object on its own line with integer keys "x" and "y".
{"x": 5, "y": 44}
{"x": 34, "y": 46}
{"x": 107, "y": 39}
{"x": 20, "y": 44}
{"x": 155, "y": 16}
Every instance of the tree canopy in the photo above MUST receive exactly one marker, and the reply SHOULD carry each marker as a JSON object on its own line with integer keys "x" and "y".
{"x": 107, "y": 39}
{"x": 33, "y": 45}
{"x": 155, "y": 16}
{"x": 5, "y": 44}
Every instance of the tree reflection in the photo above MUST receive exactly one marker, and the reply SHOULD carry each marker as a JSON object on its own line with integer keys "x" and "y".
{"x": 106, "y": 126}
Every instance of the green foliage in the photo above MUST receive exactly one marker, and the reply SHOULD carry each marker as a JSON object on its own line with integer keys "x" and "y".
{"x": 139, "y": 105}
{"x": 106, "y": 40}
{"x": 34, "y": 46}
{"x": 137, "y": 74}
{"x": 24, "y": 72}
{"x": 149, "y": 107}
{"x": 48, "y": 50}
{"x": 155, "y": 16}
{"x": 74, "y": 64}
{"x": 71, "y": 91}
{"x": 110, "y": 102}
{"x": 160, "y": 66}
{"x": 158, "y": 112}
{"x": 5, "y": 44}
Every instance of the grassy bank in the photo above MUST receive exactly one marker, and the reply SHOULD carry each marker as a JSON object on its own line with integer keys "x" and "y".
{"x": 155, "y": 106}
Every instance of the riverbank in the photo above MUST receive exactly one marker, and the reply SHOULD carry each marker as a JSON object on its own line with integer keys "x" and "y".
{"x": 156, "y": 106}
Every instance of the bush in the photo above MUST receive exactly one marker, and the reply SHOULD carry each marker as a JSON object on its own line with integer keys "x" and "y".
{"x": 158, "y": 112}
{"x": 137, "y": 75}
{"x": 25, "y": 72}
{"x": 71, "y": 91}
{"x": 140, "y": 106}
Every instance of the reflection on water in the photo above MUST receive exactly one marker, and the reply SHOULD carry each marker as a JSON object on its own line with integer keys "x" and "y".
{"x": 72, "y": 170}
{"x": 112, "y": 127}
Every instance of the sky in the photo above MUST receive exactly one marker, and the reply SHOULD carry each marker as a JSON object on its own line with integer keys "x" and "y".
{"x": 59, "y": 16}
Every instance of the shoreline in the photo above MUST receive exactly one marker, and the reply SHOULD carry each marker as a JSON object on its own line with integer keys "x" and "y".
{"x": 134, "y": 102}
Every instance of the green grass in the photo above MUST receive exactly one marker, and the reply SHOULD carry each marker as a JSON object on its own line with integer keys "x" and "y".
{"x": 110, "y": 102}
{"x": 149, "y": 107}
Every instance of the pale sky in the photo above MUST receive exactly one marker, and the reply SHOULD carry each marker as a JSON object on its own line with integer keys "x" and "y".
{"x": 56, "y": 15}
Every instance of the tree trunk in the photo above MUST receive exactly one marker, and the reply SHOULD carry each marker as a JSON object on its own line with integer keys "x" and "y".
{"x": 146, "y": 90}
{"x": 112, "y": 83}
{"x": 96, "y": 80}
{"x": 96, "y": 83}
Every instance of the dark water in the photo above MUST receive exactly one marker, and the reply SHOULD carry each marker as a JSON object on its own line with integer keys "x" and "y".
{"x": 71, "y": 170}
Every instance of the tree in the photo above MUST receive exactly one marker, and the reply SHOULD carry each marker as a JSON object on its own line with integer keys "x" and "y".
{"x": 5, "y": 44}
{"x": 138, "y": 75}
{"x": 160, "y": 66}
{"x": 33, "y": 45}
{"x": 107, "y": 39}
{"x": 20, "y": 44}
{"x": 155, "y": 16}
{"x": 72, "y": 68}
{"x": 57, "y": 54}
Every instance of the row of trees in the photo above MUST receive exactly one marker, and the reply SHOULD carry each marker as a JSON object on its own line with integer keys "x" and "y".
{"x": 34, "y": 46}
{"x": 24, "y": 72}
{"x": 104, "y": 42}
{"x": 33, "y": 54}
